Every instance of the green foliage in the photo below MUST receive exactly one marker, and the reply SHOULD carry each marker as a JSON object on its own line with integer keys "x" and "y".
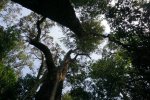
{"x": 79, "y": 94}
{"x": 91, "y": 8}
{"x": 2, "y": 4}
{"x": 8, "y": 39}
{"x": 11, "y": 49}
{"x": 7, "y": 76}
{"x": 13, "y": 88}
{"x": 25, "y": 85}
{"x": 110, "y": 74}
{"x": 129, "y": 22}
{"x": 129, "y": 26}
{"x": 113, "y": 76}
{"x": 92, "y": 39}
{"x": 66, "y": 97}
{"x": 8, "y": 81}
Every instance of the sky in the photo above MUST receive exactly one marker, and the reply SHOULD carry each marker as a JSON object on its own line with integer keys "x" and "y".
{"x": 55, "y": 32}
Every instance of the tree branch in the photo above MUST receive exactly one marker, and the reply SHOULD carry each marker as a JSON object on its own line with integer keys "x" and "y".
{"x": 39, "y": 22}
{"x": 41, "y": 67}
{"x": 67, "y": 57}
{"x": 83, "y": 54}
{"x": 62, "y": 69}
{"x": 46, "y": 52}
{"x": 60, "y": 11}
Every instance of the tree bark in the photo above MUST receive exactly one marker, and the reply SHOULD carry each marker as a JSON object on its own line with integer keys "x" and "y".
{"x": 48, "y": 89}
{"x": 60, "y": 11}
{"x": 59, "y": 91}
{"x": 52, "y": 86}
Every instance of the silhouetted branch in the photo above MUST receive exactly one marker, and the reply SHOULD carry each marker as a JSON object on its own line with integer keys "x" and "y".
{"x": 60, "y": 11}
{"x": 39, "y": 22}
{"x": 41, "y": 67}
{"x": 81, "y": 54}
{"x": 46, "y": 52}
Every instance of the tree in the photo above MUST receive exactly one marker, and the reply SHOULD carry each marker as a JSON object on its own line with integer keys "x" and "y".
{"x": 115, "y": 77}
{"x": 55, "y": 71}
{"x": 8, "y": 80}
{"x": 123, "y": 70}
{"x": 130, "y": 29}
{"x": 8, "y": 77}
{"x": 111, "y": 77}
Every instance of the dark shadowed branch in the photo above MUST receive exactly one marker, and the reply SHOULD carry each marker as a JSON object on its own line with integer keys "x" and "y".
{"x": 39, "y": 22}
{"x": 46, "y": 52}
{"x": 60, "y": 11}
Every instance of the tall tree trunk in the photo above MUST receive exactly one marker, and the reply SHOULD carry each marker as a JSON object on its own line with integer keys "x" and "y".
{"x": 59, "y": 91}
{"x": 49, "y": 88}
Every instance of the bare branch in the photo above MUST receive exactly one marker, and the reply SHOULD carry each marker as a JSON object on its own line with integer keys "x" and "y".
{"x": 81, "y": 54}
{"x": 48, "y": 56}
{"x": 39, "y": 22}
{"x": 36, "y": 56}
{"x": 67, "y": 56}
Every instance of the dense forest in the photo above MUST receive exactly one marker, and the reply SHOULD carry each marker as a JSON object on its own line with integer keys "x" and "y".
{"x": 74, "y": 50}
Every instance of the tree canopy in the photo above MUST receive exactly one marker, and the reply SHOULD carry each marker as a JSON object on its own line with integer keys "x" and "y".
{"x": 120, "y": 69}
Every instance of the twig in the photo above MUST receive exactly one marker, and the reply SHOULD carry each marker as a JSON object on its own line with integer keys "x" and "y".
{"x": 83, "y": 54}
